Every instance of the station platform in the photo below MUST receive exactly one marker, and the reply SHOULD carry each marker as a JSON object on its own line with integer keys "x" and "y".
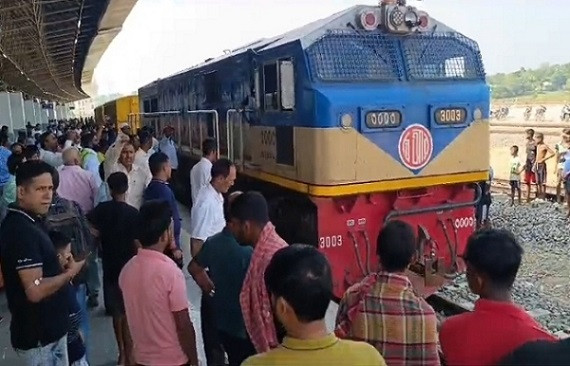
{"x": 103, "y": 348}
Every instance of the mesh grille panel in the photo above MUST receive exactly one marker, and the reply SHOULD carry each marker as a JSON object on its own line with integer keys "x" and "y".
{"x": 354, "y": 56}
{"x": 442, "y": 56}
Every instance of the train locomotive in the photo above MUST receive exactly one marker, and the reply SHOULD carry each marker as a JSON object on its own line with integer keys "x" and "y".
{"x": 372, "y": 114}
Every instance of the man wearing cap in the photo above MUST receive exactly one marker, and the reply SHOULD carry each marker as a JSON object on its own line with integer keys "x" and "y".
{"x": 168, "y": 147}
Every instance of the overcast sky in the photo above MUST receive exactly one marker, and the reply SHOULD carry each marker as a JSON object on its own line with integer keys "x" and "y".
{"x": 161, "y": 37}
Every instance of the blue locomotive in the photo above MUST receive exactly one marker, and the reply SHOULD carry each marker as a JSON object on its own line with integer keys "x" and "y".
{"x": 374, "y": 113}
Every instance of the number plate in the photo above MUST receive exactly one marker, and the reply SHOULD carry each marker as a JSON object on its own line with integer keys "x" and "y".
{"x": 383, "y": 119}
{"x": 450, "y": 116}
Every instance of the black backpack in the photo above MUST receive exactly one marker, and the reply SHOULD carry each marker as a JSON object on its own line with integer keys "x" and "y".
{"x": 66, "y": 217}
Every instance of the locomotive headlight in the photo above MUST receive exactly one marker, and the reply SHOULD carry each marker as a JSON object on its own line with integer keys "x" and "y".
{"x": 477, "y": 114}
{"x": 346, "y": 121}
{"x": 411, "y": 19}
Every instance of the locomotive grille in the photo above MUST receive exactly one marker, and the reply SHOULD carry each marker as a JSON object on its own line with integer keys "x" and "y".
{"x": 442, "y": 56}
{"x": 348, "y": 55}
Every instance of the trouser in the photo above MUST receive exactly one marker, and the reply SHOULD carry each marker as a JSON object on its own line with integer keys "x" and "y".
{"x": 53, "y": 354}
{"x": 212, "y": 344}
{"x": 81, "y": 294}
{"x": 92, "y": 276}
{"x": 238, "y": 349}
{"x": 81, "y": 362}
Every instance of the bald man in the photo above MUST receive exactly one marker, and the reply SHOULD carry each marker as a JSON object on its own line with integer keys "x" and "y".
{"x": 76, "y": 184}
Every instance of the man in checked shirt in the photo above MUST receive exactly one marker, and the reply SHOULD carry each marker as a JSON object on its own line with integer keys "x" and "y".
{"x": 383, "y": 309}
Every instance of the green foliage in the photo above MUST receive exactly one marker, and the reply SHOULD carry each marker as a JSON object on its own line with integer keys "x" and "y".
{"x": 526, "y": 82}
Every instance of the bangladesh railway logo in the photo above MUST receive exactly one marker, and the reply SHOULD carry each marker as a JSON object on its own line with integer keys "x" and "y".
{"x": 415, "y": 146}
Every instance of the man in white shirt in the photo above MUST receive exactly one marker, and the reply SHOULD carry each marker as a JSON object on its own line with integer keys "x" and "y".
{"x": 48, "y": 150}
{"x": 145, "y": 150}
{"x": 73, "y": 140}
{"x": 207, "y": 215}
{"x": 207, "y": 219}
{"x": 200, "y": 173}
{"x": 120, "y": 158}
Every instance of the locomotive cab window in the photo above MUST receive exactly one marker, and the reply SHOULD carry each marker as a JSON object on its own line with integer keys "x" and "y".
{"x": 279, "y": 86}
{"x": 212, "y": 88}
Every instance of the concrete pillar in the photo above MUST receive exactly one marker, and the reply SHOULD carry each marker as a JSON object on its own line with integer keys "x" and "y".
{"x": 37, "y": 114}
{"x": 5, "y": 111}
{"x": 29, "y": 112}
{"x": 17, "y": 110}
{"x": 50, "y": 112}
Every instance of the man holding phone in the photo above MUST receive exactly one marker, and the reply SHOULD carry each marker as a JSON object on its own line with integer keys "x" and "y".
{"x": 34, "y": 278}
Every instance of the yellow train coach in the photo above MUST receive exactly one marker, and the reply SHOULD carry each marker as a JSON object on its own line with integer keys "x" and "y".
{"x": 119, "y": 111}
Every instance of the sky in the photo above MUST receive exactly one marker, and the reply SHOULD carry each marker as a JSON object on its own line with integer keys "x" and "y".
{"x": 162, "y": 37}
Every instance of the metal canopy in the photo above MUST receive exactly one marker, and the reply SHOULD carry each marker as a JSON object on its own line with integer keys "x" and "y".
{"x": 49, "y": 48}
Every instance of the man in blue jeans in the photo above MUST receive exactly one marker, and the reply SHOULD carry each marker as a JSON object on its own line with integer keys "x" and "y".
{"x": 33, "y": 277}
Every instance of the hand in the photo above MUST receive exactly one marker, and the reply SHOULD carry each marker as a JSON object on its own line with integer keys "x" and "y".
{"x": 123, "y": 138}
{"x": 73, "y": 267}
{"x": 177, "y": 254}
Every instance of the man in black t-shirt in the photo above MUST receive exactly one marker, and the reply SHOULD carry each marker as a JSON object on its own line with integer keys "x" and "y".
{"x": 114, "y": 223}
{"x": 33, "y": 277}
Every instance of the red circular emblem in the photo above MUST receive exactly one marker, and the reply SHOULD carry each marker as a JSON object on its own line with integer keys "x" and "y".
{"x": 415, "y": 146}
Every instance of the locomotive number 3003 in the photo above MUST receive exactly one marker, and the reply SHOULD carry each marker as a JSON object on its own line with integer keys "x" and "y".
{"x": 330, "y": 241}
{"x": 450, "y": 115}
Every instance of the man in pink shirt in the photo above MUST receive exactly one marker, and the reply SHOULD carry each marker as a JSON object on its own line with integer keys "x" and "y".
{"x": 76, "y": 184}
{"x": 154, "y": 291}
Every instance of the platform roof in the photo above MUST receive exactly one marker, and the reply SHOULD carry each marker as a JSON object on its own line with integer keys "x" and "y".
{"x": 49, "y": 48}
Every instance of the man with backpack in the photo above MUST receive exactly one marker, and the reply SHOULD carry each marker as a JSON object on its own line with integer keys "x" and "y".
{"x": 66, "y": 216}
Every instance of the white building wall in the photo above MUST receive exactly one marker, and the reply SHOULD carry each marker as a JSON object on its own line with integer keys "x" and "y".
{"x": 5, "y": 111}
{"x": 17, "y": 111}
{"x": 29, "y": 112}
{"x": 37, "y": 114}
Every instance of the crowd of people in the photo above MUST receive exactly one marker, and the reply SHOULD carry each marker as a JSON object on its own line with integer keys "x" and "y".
{"x": 263, "y": 301}
{"x": 535, "y": 170}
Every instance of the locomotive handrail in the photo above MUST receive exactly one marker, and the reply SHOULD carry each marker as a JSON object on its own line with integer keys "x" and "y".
{"x": 444, "y": 207}
{"x": 229, "y": 126}
{"x": 216, "y": 123}
{"x": 162, "y": 113}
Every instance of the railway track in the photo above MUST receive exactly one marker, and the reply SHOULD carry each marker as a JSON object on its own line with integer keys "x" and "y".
{"x": 502, "y": 186}
{"x": 446, "y": 306}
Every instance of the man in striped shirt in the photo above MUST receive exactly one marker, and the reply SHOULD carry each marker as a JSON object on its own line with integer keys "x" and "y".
{"x": 383, "y": 309}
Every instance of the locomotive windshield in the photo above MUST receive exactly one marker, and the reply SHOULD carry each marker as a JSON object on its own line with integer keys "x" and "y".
{"x": 355, "y": 56}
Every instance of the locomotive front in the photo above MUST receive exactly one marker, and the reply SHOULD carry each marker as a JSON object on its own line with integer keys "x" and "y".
{"x": 401, "y": 132}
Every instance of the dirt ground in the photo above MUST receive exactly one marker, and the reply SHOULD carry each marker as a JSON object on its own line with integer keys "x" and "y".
{"x": 502, "y": 138}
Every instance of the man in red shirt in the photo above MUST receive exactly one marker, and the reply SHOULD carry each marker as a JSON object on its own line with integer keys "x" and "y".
{"x": 497, "y": 326}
